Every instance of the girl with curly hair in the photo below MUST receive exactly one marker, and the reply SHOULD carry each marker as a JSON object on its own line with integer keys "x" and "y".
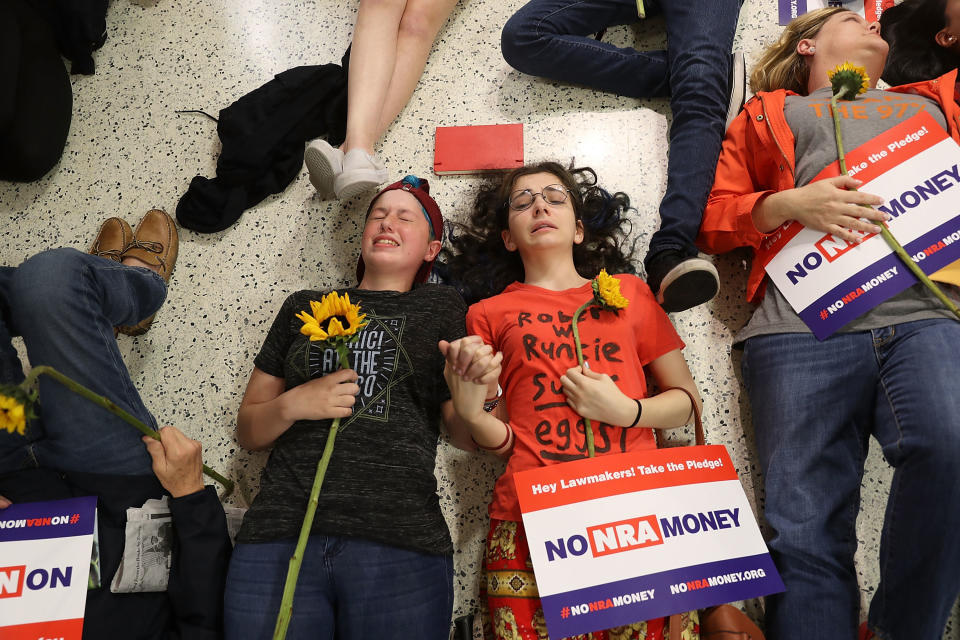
{"x": 533, "y": 243}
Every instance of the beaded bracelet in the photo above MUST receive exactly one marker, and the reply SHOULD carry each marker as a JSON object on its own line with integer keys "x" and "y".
{"x": 490, "y": 405}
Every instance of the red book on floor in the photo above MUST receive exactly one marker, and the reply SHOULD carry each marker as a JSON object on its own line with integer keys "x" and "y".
{"x": 478, "y": 148}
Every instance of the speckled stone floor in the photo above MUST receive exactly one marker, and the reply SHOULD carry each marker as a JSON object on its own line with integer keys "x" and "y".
{"x": 128, "y": 152}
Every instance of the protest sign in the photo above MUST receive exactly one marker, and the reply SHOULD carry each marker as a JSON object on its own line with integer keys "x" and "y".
{"x": 869, "y": 9}
{"x": 629, "y": 537}
{"x": 829, "y": 281}
{"x": 44, "y": 566}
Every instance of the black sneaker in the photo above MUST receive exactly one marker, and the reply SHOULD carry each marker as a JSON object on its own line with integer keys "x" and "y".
{"x": 738, "y": 86}
{"x": 680, "y": 282}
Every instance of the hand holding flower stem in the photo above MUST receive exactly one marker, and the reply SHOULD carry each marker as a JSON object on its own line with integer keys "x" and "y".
{"x": 336, "y": 322}
{"x": 850, "y": 81}
{"x": 293, "y": 570}
{"x": 25, "y": 397}
{"x": 606, "y": 295}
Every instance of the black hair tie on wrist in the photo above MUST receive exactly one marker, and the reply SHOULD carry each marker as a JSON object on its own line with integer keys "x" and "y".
{"x": 639, "y": 411}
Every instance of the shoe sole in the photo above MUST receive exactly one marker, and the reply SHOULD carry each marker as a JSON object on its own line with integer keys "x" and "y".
{"x": 689, "y": 284}
{"x": 138, "y": 329}
{"x": 321, "y": 172}
{"x": 362, "y": 183}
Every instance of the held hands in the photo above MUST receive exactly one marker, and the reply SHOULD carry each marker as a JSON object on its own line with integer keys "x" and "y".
{"x": 471, "y": 370}
{"x": 825, "y": 205}
{"x": 329, "y": 396}
{"x": 597, "y": 396}
{"x": 177, "y": 462}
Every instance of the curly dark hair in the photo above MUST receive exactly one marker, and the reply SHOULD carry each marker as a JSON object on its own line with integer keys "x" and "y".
{"x": 910, "y": 28}
{"x": 478, "y": 264}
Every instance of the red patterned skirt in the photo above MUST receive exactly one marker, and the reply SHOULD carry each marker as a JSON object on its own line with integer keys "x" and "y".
{"x": 514, "y": 602}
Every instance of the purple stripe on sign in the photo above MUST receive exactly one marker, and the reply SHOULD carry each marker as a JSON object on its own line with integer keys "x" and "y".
{"x": 43, "y": 520}
{"x": 849, "y": 300}
{"x": 790, "y": 9}
{"x": 661, "y": 594}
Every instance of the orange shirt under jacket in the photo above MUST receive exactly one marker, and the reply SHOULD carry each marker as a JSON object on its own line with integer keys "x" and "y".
{"x": 533, "y": 329}
{"x": 757, "y": 159}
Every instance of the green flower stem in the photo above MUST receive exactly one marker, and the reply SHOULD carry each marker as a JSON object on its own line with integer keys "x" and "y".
{"x": 885, "y": 230}
{"x": 917, "y": 271}
{"x": 293, "y": 571}
{"x": 110, "y": 406}
{"x": 576, "y": 339}
{"x": 841, "y": 156}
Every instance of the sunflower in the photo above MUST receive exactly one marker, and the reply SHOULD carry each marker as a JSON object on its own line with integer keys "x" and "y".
{"x": 333, "y": 317}
{"x": 606, "y": 292}
{"x": 13, "y": 410}
{"x": 848, "y": 80}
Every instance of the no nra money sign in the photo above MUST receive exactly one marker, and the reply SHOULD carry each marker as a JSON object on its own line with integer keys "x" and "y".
{"x": 829, "y": 281}
{"x": 635, "y": 536}
{"x": 44, "y": 566}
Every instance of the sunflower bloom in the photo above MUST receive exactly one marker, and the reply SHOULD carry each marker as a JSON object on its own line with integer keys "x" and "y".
{"x": 606, "y": 292}
{"x": 333, "y": 317}
{"x": 848, "y": 80}
{"x": 13, "y": 414}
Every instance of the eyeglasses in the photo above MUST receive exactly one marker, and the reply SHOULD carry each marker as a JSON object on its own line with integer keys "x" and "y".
{"x": 551, "y": 194}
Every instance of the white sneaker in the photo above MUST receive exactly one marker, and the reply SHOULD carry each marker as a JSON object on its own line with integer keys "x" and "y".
{"x": 361, "y": 172}
{"x": 324, "y": 163}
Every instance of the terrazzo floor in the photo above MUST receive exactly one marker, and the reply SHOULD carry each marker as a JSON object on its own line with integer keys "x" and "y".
{"x": 129, "y": 152}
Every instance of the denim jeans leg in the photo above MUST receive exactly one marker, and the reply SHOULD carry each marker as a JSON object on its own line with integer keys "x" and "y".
{"x": 65, "y": 304}
{"x": 918, "y": 425}
{"x": 812, "y": 407}
{"x": 387, "y": 592}
{"x": 552, "y": 39}
{"x": 699, "y": 43}
{"x": 15, "y": 451}
{"x": 254, "y": 589}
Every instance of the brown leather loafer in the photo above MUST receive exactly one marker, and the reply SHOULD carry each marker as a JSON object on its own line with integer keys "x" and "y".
{"x": 112, "y": 240}
{"x": 156, "y": 243}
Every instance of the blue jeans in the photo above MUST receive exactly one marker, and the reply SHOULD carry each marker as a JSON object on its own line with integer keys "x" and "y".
{"x": 815, "y": 406}
{"x": 550, "y": 38}
{"x": 65, "y": 304}
{"x": 348, "y": 589}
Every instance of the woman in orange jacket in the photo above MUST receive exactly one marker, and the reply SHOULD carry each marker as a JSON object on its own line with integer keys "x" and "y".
{"x": 816, "y": 403}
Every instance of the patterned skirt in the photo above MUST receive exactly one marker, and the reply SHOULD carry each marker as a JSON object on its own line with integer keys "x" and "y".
{"x": 514, "y": 602}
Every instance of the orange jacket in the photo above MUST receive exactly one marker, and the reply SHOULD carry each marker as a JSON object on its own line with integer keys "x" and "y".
{"x": 757, "y": 159}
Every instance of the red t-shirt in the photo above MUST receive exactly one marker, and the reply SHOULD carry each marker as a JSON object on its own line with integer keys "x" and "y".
{"x": 533, "y": 328}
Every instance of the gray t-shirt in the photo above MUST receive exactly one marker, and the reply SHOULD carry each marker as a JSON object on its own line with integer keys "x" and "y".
{"x": 862, "y": 120}
{"x": 380, "y": 483}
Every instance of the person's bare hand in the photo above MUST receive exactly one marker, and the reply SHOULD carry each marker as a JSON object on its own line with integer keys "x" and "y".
{"x": 4, "y": 503}
{"x": 596, "y": 396}
{"x": 177, "y": 461}
{"x": 471, "y": 369}
{"x": 329, "y": 396}
{"x": 472, "y": 359}
{"x": 830, "y": 206}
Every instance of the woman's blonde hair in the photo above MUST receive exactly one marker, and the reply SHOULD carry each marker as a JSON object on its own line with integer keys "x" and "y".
{"x": 780, "y": 66}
